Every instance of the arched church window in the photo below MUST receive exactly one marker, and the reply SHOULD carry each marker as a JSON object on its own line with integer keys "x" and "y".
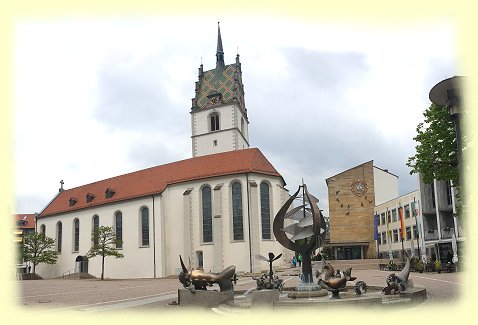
{"x": 206, "y": 215}
{"x": 144, "y": 226}
{"x": 76, "y": 235}
{"x": 242, "y": 125}
{"x": 59, "y": 235}
{"x": 265, "y": 211}
{"x": 43, "y": 230}
{"x": 214, "y": 120}
{"x": 95, "y": 227}
{"x": 237, "y": 215}
{"x": 119, "y": 229}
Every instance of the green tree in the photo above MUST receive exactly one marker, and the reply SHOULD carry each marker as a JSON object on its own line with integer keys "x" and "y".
{"x": 436, "y": 152}
{"x": 107, "y": 243}
{"x": 37, "y": 248}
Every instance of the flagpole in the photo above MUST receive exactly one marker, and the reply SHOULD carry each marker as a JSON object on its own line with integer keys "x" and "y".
{"x": 416, "y": 225}
{"x": 376, "y": 220}
{"x": 402, "y": 227}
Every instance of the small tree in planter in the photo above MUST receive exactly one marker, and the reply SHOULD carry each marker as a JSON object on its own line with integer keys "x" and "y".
{"x": 392, "y": 266}
{"x": 413, "y": 263}
{"x": 420, "y": 266}
{"x": 438, "y": 266}
{"x": 106, "y": 245}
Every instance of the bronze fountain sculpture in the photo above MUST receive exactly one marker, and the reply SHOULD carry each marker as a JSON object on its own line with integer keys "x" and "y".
{"x": 273, "y": 282}
{"x": 397, "y": 283}
{"x": 308, "y": 228}
{"x": 200, "y": 280}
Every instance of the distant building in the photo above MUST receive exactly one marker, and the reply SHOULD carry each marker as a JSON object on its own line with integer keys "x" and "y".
{"x": 24, "y": 224}
{"x": 353, "y": 195}
{"x": 389, "y": 226}
{"x": 439, "y": 222}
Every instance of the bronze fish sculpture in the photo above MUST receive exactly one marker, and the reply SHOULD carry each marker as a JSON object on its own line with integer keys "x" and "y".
{"x": 200, "y": 280}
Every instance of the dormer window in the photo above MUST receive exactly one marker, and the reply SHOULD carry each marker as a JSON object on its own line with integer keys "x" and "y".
{"x": 73, "y": 201}
{"x": 89, "y": 197}
{"x": 109, "y": 193}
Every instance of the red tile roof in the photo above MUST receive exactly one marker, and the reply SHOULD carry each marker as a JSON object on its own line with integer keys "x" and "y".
{"x": 154, "y": 180}
{"x": 25, "y": 221}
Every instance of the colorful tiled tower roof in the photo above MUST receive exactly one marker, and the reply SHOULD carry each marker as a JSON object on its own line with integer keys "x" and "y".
{"x": 220, "y": 85}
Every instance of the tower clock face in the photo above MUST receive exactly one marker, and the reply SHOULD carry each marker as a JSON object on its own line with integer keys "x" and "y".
{"x": 359, "y": 187}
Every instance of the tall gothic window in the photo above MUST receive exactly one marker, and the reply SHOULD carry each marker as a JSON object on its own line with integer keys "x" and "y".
{"x": 214, "y": 119}
{"x": 95, "y": 226}
{"x": 119, "y": 228}
{"x": 59, "y": 235}
{"x": 206, "y": 215}
{"x": 144, "y": 226}
{"x": 265, "y": 211}
{"x": 237, "y": 216}
{"x": 76, "y": 235}
{"x": 43, "y": 230}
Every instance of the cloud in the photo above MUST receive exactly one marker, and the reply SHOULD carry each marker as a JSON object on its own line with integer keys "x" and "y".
{"x": 133, "y": 96}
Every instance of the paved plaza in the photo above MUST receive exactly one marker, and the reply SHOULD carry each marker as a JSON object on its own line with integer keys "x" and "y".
{"x": 93, "y": 295}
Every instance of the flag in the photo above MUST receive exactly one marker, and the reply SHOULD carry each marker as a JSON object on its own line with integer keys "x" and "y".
{"x": 375, "y": 227}
{"x": 415, "y": 214}
{"x": 402, "y": 223}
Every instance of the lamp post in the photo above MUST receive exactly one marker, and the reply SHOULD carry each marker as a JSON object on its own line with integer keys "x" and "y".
{"x": 448, "y": 93}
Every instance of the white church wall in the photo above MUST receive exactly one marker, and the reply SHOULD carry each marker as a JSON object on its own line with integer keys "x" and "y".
{"x": 168, "y": 220}
{"x": 137, "y": 262}
{"x": 233, "y": 252}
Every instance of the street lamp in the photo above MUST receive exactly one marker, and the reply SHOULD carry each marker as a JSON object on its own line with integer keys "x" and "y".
{"x": 448, "y": 93}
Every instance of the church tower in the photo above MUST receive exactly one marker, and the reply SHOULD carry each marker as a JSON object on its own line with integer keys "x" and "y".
{"x": 218, "y": 114}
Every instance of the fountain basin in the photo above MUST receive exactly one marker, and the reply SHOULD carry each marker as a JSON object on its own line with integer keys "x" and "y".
{"x": 290, "y": 298}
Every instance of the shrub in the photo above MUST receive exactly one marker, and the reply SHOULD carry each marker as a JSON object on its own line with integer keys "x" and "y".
{"x": 420, "y": 266}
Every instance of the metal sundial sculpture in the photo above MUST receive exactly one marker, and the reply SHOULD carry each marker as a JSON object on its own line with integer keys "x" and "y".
{"x": 308, "y": 225}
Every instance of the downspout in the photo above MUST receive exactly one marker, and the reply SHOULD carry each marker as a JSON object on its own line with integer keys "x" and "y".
{"x": 249, "y": 221}
{"x": 154, "y": 240}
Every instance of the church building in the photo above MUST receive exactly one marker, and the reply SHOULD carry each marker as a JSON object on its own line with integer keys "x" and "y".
{"x": 216, "y": 208}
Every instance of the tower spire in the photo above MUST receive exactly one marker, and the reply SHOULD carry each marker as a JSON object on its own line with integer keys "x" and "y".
{"x": 219, "y": 52}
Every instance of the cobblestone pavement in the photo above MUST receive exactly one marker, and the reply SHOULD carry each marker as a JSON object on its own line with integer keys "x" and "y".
{"x": 93, "y": 295}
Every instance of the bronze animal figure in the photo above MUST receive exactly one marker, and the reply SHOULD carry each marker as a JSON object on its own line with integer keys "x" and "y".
{"x": 200, "y": 280}
{"x": 397, "y": 283}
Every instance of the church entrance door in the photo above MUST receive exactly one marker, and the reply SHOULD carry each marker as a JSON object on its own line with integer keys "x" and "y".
{"x": 81, "y": 264}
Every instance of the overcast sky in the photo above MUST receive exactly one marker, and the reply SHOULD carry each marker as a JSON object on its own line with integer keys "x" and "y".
{"x": 99, "y": 98}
